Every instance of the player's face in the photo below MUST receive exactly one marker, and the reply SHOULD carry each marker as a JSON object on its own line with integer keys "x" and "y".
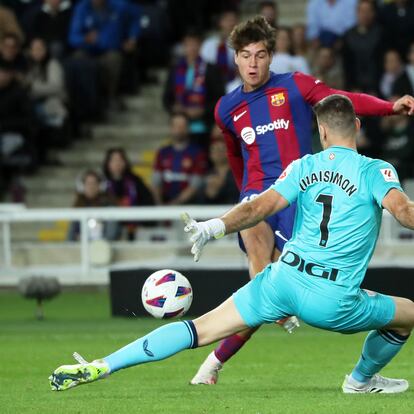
{"x": 253, "y": 62}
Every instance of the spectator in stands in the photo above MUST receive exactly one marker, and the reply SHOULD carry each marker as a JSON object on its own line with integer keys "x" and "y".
{"x": 328, "y": 69}
{"x": 193, "y": 87}
{"x": 179, "y": 167}
{"x": 283, "y": 60}
{"x": 397, "y": 18}
{"x": 236, "y": 82}
{"x": 11, "y": 52}
{"x": 398, "y": 147}
{"x": 219, "y": 187}
{"x": 328, "y": 20}
{"x": 51, "y": 23}
{"x": 362, "y": 50}
{"x": 215, "y": 49}
{"x": 9, "y": 24}
{"x": 47, "y": 86}
{"x": 91, "y": 192}
{"x": 101, "y": 29}
{"x": 405, "y": 82}
{"x": 299, "y": 43}
{"x": 128, "y": 189}
{"x": 393, "y": 69}
{"x": 270, "y": 11}
{"x": 17, "y": 126}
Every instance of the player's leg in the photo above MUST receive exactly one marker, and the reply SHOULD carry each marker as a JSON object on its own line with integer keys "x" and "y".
{"x": 259, "y": 245}
{"x": 380, "y": 347}
{"x": 159, "y": 344}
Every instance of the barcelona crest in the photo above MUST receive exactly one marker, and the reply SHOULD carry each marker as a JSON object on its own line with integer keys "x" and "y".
{"x": 278, "y": 99}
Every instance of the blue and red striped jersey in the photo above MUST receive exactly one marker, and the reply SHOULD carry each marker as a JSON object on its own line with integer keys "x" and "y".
{"x": 268, "y": 128}
{"x": 179, "y": 168}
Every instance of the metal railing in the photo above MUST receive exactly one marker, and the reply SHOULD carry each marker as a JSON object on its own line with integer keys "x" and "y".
{"x": 390, "y": 232}
{"x": 11, "y": 215}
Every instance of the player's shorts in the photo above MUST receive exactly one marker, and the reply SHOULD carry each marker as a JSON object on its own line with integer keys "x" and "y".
{"x": 281, "y": 223}
{"x": 280, "y": 291}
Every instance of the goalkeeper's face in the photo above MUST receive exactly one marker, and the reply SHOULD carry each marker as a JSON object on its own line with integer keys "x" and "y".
{"x": 253, "y": 62}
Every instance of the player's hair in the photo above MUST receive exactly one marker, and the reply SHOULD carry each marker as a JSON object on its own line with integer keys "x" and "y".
{"x": 253, "y": 30}
{"x": 338, "y": 114}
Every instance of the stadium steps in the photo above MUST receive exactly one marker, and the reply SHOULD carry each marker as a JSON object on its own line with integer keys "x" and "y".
{"x": 68, "y": 253}
{"x": 140, "y": 129}
{"x": 291, "y": 12}
{"x": 29, "y": 231}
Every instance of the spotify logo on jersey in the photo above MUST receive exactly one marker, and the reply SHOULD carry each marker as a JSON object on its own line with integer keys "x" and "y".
{"x": 248, "y": 135}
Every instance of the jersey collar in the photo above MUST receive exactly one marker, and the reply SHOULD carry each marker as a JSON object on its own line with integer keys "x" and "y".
{"x": 340, "y": 148}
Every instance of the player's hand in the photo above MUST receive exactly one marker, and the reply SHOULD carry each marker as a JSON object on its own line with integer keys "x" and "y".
{"x": 404, "y": 105}
{"x": 199, "y": 235}
{"x": 201, "y": 232}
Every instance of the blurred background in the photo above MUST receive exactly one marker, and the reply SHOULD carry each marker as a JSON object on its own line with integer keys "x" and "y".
{"x": 91, "y": 103}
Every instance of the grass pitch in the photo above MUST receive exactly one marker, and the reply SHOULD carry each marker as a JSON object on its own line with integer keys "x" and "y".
{"x": 274, "y": 373}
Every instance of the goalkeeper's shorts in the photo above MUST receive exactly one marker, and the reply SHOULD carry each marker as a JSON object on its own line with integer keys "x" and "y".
{"x": 280, "y": 291}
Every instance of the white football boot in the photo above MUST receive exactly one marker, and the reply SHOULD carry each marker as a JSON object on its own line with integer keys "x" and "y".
{"x": 289, "y": 324}
{"x": 377, "y": 384}
{"x": 208, "y": 372}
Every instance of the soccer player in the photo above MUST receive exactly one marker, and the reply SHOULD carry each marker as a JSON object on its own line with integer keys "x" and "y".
{"x": 340, "y": 196}
{"x": 267, "y": 124}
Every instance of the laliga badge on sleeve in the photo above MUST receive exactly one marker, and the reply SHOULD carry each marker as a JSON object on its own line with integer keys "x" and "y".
{"x": 389, "y": 175}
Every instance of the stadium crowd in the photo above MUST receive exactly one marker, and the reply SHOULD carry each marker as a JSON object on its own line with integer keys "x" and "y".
{"x": 65, "y": 64}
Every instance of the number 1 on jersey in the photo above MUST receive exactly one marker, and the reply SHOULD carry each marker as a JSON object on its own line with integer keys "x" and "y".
{"x": 326, "y": 200}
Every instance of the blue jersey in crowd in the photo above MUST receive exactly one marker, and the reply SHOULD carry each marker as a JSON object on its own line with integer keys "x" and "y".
{"x": 117, "y": 21}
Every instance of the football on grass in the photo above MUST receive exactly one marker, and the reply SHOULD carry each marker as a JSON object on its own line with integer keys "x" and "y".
{"x": 167, "y": 294}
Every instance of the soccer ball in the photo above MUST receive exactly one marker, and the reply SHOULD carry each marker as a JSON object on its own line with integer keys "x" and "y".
{"x": 167, "y": 294}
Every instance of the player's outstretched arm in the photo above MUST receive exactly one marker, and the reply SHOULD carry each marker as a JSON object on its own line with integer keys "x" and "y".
{"x": 313, "y": 90}
{"x": 250, "y": 213}
{"x": 400, "y": 206}
{"x": 240, "y": 217}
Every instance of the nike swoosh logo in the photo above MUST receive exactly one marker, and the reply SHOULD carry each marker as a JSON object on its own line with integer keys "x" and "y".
{"x": 237, "y": 117}
{"x": 317, "y": 81}
{"x": 279, "y": 234}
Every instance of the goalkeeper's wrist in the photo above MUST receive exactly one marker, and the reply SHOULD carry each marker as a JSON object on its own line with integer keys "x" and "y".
{"x": 216, "y": 228}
